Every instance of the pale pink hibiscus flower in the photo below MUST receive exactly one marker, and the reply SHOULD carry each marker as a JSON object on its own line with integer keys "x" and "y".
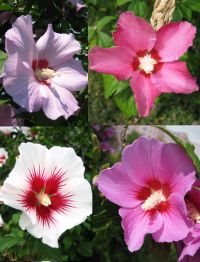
{"x": 78, "y": 3}
{"x": 148, "y": 58}
{"x": 43, "y": 75}
{"x": 3, "y": 156}
{"x": 149, "y": 184}
{"x": 191, "y": 244}
{"x": 48, "y": 186}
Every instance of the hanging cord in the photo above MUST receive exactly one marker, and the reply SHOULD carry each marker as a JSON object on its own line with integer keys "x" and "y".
{"x": 162, "y": 13}
{"x": 123, "y": 135}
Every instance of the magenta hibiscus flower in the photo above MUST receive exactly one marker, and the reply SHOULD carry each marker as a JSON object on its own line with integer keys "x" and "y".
{"x": 149, "y": 185}
{"x": 191, "y": 247}
{"x": 149, "y": 58}
{"x": 42, "y": 75}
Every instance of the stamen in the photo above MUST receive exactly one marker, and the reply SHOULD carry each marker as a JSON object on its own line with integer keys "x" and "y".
{"x": 44, "y": 199}
{"x": 147, "y": 63}
{"x": 153, "y": 200}
{"x": 45, "y": 73}
{"x": 193, "y": 213}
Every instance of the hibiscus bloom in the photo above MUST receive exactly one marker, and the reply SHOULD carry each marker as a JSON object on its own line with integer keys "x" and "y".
{"x": 79, "y": 4}
{"x": 149, "y": 58}
{"x": 3, "y": 156}
{"x": 48, "y": 186}
{"x": 42, "y": 75}
{"x": 191, "y": 244}
{"x": 149, "y": 185}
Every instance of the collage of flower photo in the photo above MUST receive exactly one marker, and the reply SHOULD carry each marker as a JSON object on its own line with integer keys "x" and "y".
{"x": 100, "y": 130}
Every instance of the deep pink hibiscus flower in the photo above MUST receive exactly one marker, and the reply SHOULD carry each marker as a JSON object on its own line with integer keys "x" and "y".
{"x": 43, "y": 75}
{"x": 149, "y": 58}
{"x": 191, "y": 244}
{"x": 149, "y": 185}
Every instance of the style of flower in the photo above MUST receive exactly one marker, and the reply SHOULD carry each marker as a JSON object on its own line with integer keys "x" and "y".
{"x": 191, "y": 244}
{"x": 43, "y": 75}
{"x": 79, "y": 4}
{"x": 149, "y": 185}
{"x": 48, "y": 186}
{"x": 3, "y": 156}
{"x": 148, "y": 58}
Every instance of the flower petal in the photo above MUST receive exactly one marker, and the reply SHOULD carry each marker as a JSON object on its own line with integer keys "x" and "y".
{"x": 57, "y": 48}
{"x": 19, "y": 82}
{"x": 66, "y": 159}
{"x": 59, "y": 102}
{"x": 173, "y": 40}
{"x": 20, "y": 39}
{"x": 176, "y": 224}
{"x": 115, "y": 61}
{"x": 136, "y": 224}
{"x": 117, "y": 186}
{"x": 71, "y": 76}
{"x": 174, "y": 77}
{"x": 134, "y": 32}
{"x": 145, "y": 93}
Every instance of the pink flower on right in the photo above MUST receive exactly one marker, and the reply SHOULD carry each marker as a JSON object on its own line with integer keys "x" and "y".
{"x": 190, "y": 248}
{"x": 149, "y": 185}
{"x": 148, "y": 58}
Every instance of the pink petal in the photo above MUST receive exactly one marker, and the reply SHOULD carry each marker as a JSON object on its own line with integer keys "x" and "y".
{"x": 20, "y": 39}
{"x": 145, "y": 93}
{"x": 136, "y": 224}
{"x": 174, "y": 77}
{"x": 141, "y": 160}
{"x": 70, "y": 75}
{"x": 115, "y": 61}
{"x": 134, "y": 32}
{"x": 173, "y": 40}
{"x": 19, "y": 82}
{"x": 117, "y": 186}
{"x": 57, "y": 48}
{"x": 59, "y": 102}
{"x": 190, "y": 253}
{"x": 176, "y": 224}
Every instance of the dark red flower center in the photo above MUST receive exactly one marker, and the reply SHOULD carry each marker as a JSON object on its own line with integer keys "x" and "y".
{"x": 154, "y": 196}
{"x": 147, "y": 63}
{"x": 2, "y": 158}
{"x": 43, "y": 72}
{"x": 44, "y": 195}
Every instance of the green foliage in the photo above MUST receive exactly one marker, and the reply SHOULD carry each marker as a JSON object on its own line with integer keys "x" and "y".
{"x": 105, "y": 90}
{"x": 3, "y": 57}
{"x": 189, "y": 148}
{"x": 18, "y": 245}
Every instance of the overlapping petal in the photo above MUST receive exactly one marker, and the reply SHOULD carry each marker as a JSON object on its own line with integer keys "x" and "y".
{"x": 173, "y": 40}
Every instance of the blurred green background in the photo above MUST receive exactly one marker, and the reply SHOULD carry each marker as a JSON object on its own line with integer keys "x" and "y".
{"x": 18, "y": 245}
{"x": 112, "y": 102}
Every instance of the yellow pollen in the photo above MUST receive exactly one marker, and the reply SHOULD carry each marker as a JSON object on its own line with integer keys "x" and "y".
{"x": 147, "y": 63}
{"x": 193, "y": 213}
{"x": 45, "y": 73}
{"x": 153, "y": 200}
{"x": 44, "y": 199}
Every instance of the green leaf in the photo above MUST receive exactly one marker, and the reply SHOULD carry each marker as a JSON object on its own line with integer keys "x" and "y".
{"x": 122, "y": 2}
{"x": 177, "y": 15}
{"x": 192, "y": 4}
{"x": 189, "y": 148}
{"x": 112, "y": 85}
{"x": 104, "y": 40}
{"x": 8, "y": 242}
{"x": 103, "y": 22}
{"x": 3, "y": 57}
{"x": 139, "y": 7}
{"x": 126, "y": 103}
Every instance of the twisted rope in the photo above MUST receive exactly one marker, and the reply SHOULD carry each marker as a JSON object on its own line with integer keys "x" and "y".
{"x": 162, "y": 13}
